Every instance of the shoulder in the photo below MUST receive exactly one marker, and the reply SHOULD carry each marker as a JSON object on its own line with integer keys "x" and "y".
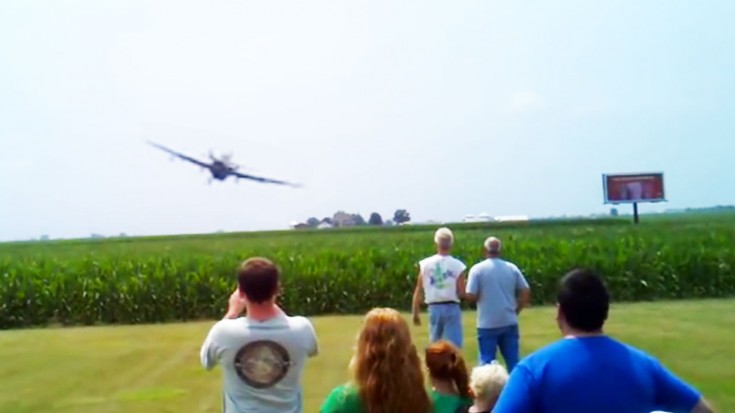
{"x": 300, "y": 323}
{"x": 344, "y": 397}
{"x": 536, "y": 360}
{"x": 512, "y": 268}
{"x": 223, "y": 330}
{"x": 345, "y": 390}
{"x": 641, "y": 357}
{"x": 456, "y": 261}
{"x": 225, "y": 325}
{"x": 479, "y": 266}
{"x": 426, "y": 260}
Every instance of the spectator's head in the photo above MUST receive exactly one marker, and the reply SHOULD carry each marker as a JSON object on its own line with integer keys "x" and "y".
{"x": 258, "y": 280}
{"x": 583, "y": 302}
{"x": 386, "y": 366}
{"x": 486, "y": 383}
{"x": 492, "y": 247}
{"x": 446, "y": 364}
{"x": 444, "y": 239}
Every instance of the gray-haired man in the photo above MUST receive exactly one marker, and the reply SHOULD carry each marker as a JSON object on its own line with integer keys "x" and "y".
{"x": 501, "y": 292}
{"x": 441, "y": 278}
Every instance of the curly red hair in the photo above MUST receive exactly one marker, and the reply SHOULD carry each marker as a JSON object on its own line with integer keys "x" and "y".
{"x": 445, "y": 362}
{"x": 386, "y": 366}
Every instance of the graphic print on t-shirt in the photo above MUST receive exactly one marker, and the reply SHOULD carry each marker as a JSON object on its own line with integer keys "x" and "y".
{"x": 262, "y": 364}
{"x": 438, "y": 278}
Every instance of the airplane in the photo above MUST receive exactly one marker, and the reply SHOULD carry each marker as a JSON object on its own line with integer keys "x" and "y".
{"x": 222, "y": 168}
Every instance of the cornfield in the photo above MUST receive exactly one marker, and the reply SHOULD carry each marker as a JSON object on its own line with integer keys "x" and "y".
{"x": 148, "y": 280}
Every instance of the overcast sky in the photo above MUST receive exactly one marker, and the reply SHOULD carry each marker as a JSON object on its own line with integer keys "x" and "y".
{"x": 442, "y": 108}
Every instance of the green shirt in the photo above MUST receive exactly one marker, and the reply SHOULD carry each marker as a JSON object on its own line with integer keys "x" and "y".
{"x": 343, "y": 399}
{"x": 447, "y": 403}
{"x": 346, "y": 399}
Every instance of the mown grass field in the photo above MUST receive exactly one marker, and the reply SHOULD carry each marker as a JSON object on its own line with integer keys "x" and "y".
{"x": 155, "y": 368}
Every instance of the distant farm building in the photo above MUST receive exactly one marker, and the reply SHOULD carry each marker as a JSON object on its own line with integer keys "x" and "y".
{"x": 484, "y": 217}
{"x": 343, "y": 219}
{"x": 512, "y": 218}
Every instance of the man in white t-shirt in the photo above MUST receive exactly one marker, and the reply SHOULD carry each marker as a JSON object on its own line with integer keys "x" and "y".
{"x": 263, "y": 353}
{"x": 442, "y": 281}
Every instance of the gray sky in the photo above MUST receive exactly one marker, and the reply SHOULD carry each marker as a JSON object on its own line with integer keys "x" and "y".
{"x": 442, "y": 108}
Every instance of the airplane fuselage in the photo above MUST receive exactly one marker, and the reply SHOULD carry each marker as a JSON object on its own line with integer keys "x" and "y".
{"x": 220, "y": 171}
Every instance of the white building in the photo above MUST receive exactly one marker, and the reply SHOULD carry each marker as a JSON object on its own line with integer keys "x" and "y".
{"x": 512, "y": 218}
{"x": 483, "y": 217}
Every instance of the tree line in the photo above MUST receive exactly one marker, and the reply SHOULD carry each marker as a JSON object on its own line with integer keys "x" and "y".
{"x": 346, "y": 219}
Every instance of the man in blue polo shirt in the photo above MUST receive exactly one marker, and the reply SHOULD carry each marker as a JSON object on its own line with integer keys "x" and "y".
{"x": 588, "y": 371}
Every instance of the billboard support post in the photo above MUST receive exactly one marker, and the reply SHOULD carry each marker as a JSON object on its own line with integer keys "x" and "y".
{"x": 633, "y": 189}
{"x": 635, "y": 213}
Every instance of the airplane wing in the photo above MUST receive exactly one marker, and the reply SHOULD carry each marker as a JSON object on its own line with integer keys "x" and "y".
{"x": 179, "y": 155}
{"x": 264, "y": 180}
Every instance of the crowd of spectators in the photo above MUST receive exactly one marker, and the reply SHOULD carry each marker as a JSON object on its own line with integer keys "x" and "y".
{"x": 263, "y": 351}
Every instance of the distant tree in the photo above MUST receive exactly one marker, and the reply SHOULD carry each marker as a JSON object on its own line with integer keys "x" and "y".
{"x": 401, "y": 216}
{"x": 327, "y": 220}
{"x": 357, "y": 219}
{"x": 389, "y": 223}
{"x": 313, "y": 222}
{"x": 44, "y": 237}
{"x": 614, "y": 212}
{"x": 375, "y": 219}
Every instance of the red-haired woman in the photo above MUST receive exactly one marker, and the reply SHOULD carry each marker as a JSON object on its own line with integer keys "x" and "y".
{"x": 387, "y": 373}
{"x": 449, "y": 377}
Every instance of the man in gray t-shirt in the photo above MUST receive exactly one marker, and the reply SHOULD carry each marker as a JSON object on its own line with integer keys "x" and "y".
{"x": 262, "y": 354}
{"x": 501, "y": 292}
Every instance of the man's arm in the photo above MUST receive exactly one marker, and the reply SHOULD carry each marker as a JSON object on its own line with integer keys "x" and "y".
{"x": 461, "y": 286}
{"x": 702, "y": 407}
{"x": 524, "y": 291}
{"x": 209, "y": 352}
{"x": 417, "y": 298}
{"x": 518, "y": 395}
{"x": 524, "y": 297}
{"x": 314, "y": 348}
{"x": 472, "y": 291}
{"x": 673, "y": 394}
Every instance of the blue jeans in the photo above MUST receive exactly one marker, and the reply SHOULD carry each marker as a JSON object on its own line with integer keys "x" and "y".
{"x": 506, "y": 338}
{"x": 445, "y": 322}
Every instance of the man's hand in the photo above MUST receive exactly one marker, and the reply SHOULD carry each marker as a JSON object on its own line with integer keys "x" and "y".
{"x": 236, "y": 305}
{"x": 416, "y": 319}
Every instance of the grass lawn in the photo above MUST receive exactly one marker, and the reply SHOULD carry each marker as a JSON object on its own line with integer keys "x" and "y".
{"x": 155, "y": 368}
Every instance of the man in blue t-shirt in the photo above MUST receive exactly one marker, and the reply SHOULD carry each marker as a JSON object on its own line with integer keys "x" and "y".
{"x": 588, "y": 371}
{"x": 501, "y": 292}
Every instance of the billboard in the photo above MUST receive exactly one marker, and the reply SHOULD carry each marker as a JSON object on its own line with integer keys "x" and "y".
{"x": 630, "y": 188}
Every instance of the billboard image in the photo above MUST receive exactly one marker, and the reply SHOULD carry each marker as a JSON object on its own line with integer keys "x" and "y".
{"x": 630, "y": 188}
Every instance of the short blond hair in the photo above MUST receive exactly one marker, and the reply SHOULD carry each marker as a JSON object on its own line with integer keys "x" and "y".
{"x": 487, "y": 381}
{"x": 444, "y": 237}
